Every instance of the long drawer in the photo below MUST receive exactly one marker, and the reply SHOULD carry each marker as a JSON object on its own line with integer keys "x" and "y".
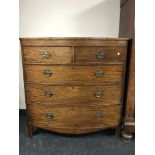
{"x": 70, "y": 117}
{"x": 73, "y": 95}
{"x": 73, "y": 74}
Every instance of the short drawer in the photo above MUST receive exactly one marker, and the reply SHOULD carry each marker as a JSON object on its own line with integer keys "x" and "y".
{"x": 73, "y": 74}
{"x": 73, "y": 95}
{"x": 51, "y": 55}
{"x": 71, "y": 117}
{"x": 99, "y": 54}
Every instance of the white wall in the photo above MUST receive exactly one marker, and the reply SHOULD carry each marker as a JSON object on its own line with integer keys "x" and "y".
{"x": 67, "y": 18}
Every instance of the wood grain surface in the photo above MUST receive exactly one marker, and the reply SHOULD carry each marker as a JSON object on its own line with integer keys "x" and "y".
{"x": 74, "y": 41}
{"x": 66, "y": 100}
{"x": 73, "y": 74}
{"x": 59, "y": 55}
{"x": 74, "y": 118}
{"x": 73, "y": 95}
{"x": 89, "y": 54}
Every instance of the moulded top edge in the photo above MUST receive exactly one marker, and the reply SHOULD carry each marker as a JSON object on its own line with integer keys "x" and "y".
{"x": 75, "y": 38}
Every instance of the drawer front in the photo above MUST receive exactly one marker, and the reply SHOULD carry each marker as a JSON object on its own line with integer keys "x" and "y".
{"x": 73, "y": 74}
{"x": 52, "y": 55}
{"x": 79, "y": 117}
{"x": 73, "y": 95}
{"x": 99, "y": 54}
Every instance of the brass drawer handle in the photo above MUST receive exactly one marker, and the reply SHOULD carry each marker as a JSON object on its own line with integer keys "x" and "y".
{"x": 47, "y": 73}
{"x": 46, "y": 54}
{"x": 98, "y": 115}
{"x": 48, "y": 93}
{"x": 99, "y": 74}
{"x": 49, "y": 115}
{"x": 98, "y": 94}
{"x": 100, "y": 55}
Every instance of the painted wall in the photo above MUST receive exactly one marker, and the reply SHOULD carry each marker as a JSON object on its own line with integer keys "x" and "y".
{"x": 67, "y": 18}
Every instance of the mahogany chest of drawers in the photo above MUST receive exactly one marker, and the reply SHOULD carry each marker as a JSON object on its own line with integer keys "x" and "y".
{"x": 74, "y": 85}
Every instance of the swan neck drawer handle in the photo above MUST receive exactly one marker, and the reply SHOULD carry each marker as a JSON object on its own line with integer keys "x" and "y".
{"x": 99, "y": 74}
{"x": 47, "y": 73}
{"x": 98, "y": 94}
{"x": 100, "y": 55}
{"x": 46, "y": 54}
{"x": 98, "y": 115}
{"x": 49, "y": 115}
{"x": 48, "y": 93}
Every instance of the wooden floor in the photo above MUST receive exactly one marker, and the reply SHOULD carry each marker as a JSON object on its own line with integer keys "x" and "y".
{"x": 50, "y": 143}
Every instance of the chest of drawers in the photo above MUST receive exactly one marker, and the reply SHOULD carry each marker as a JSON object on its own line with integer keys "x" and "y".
{"x": 74, "y": 85}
